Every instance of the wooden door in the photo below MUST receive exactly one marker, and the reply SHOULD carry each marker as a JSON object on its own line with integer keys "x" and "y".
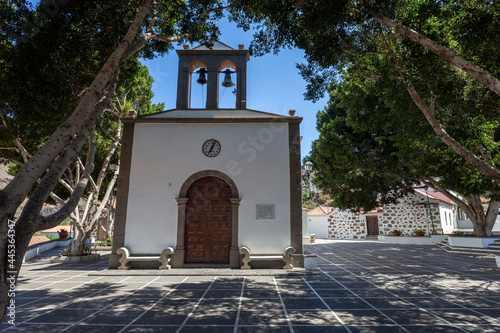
{"x": 372, "y": 225}
{"x": 208, "y": 221}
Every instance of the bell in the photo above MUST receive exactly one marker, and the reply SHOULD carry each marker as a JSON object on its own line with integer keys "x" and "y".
{"x": 227, "y": 79}
{"x": 202, "y": 79}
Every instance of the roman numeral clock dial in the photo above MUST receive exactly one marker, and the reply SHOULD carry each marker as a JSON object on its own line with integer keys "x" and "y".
{"x": 211, "y": 147}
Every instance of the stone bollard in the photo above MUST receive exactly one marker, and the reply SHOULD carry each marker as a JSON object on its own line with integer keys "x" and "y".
{"x": 310, "y": 261}
{"x": 312, "y": 238}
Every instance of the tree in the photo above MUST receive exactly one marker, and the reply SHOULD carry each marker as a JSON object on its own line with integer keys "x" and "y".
{"x": 372, "y": 151}
{"x": 148, "y": 27}
{"x": 133, "y": 92}
{"x": 335, "y": 34}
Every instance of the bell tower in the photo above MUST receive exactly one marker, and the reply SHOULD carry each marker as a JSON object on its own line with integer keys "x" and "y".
{"x": 209, "y": 64}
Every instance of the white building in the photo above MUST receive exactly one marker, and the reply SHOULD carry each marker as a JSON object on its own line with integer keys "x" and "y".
{"x": 420, "y": 210}
{"x": 317, "y": 220}
{"x": 209, "y": 181}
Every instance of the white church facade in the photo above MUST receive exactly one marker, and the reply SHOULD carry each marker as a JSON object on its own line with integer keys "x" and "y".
{"x": 210, "y": 184}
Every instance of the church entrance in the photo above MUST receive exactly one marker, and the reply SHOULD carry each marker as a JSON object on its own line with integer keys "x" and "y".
{"x": 208, "y": 221}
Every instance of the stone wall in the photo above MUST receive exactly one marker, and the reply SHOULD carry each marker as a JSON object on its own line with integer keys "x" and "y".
{"x": 409, "y": 214}
{"x": 345, "y": 224}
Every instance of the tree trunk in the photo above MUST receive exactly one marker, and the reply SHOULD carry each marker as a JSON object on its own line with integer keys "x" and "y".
{"x": 479, "y": 219}
{"x": 78, "y": 244}
{"x": 9, "y": 271}
{"x": 482, "y": 224}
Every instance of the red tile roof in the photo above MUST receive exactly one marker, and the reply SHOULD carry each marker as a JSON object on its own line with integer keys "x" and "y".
{"x": 38, "y": 239}
{"x": 320, "y": 210}
{"x": 436, "y": 196}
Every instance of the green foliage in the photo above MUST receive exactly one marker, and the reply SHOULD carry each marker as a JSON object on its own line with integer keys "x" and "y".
{"x": 52, "y": 237}
{"x": 309, "y": 204}
{"x": 87, "y": 250}
{"x": 348, "y": 165}
{"x": 324, "y": 199}
{"x": 309, "y": 196}
{"x": 106, "y": 242}
{"x": 418, "y": 231}
{"x": 374, "y": 145}
{"x": 462, "y": 234}
{"x": 344, "y": 41}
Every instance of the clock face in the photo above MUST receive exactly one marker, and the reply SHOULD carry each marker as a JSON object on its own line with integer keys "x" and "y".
{"x": 211, "y": 148}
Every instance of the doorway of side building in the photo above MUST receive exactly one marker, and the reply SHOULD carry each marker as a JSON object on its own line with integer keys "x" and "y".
{"x": 372, "y": 226}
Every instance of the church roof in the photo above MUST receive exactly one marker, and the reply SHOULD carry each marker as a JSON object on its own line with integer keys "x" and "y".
{"x": 217, "y": 46}
{"x": 210, "y": 114}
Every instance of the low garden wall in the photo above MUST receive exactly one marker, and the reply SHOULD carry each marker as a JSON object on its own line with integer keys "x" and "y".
{"x": 479, "y": 242}
{"x": 36, "y": 249}
{"x": 432, "y": 240}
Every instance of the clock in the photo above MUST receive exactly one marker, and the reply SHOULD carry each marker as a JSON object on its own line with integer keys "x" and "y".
{"x": 211, "y": 147}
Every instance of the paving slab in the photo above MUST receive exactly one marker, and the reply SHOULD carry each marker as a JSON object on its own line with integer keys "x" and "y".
{"x": 359, "y": 286}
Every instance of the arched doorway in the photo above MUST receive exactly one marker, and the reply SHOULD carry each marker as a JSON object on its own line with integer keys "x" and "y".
{"x": 208, "y": 221}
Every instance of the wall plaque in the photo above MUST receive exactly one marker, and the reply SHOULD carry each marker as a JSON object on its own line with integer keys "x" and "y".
{"x": 265, "y": 212}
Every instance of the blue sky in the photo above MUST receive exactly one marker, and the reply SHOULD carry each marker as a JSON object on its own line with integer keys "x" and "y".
{"x": 273, "y": 85}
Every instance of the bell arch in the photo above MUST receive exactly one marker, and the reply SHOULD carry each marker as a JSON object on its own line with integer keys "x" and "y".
{"x": 214, "y": 60}
{"x": 227, "y": 63}
{"x": 197, "y": 63}
{"x": 196, "y": 93}
{"x": 227, "y": 89}
{"x": 182, "y": 200}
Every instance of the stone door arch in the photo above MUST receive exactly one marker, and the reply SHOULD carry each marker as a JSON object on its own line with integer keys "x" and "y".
{"x": 207, "y": 221}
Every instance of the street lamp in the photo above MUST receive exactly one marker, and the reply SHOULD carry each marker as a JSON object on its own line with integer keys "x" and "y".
{"x": 306, "y": 177}
{"x": 113, "y": 165}
{"x": 308, "y": 166}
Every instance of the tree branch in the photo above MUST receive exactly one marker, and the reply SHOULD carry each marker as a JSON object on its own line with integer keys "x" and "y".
{"x": 21, "y": 149}
{"x": 153, "y": 17}
{"x": 484, "y": 153}
{"x": 438, "y": 187}
{"x": 30, "y": 215}
{"x": 485, "y": 78}
{"x": 69, "y": 206}
{"x": 104, "y": 200}
{"x": 169, "y": 39}
{"x": 487, "y": 169}
{"x": 20, "y": 186}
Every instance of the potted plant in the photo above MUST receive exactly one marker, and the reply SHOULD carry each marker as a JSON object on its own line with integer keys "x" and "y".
{"x": 395, "y": 232}
{"x": 63, "y": 234}
{"x": 419, "y": 232}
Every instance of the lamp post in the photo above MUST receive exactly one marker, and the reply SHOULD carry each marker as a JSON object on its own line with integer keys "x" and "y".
{"x": 307, "y": 173}
{"x": 308, "y": 166}
{"x": 113, "y": 165}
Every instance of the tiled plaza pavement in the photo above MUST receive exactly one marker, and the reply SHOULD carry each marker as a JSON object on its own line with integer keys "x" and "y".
{"x": 360, "y": 286}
